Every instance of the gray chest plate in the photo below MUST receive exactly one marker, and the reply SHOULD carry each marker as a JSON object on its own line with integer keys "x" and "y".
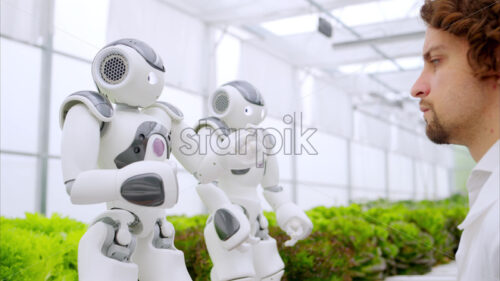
{"x": 137, "y": 149}
{"x": 240, "y": 172}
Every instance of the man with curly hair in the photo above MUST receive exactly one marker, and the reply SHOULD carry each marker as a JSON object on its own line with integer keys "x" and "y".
{"x": 459, "y": 92}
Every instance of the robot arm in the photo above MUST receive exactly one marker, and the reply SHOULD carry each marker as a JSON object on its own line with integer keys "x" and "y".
{"x": 290, "y": 217}
{"x": 186, "y": 146}
{"x": 80, "y": 149}
{"x": 87, "y": 184}
{"x": 204, "y": 160}
{"x": 185, "y": 143}
{"x": 228, "y": 223}
{"x": 216, "y": 150}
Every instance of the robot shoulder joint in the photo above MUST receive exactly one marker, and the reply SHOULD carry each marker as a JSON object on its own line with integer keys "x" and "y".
{"x": 96, "y": 103}
{"x": 213, "y": 123}
{"x": 172, "y": 111}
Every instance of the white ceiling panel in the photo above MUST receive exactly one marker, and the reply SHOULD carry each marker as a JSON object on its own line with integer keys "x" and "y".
{"x": 253, "y": 11}
{"x": 400, "y": 26}
{"x": 376, "y": 44}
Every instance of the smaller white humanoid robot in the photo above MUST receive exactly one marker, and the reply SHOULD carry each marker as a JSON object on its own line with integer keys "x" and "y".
{"x": 121, "y": 156}
{"x": 236, "y": 233}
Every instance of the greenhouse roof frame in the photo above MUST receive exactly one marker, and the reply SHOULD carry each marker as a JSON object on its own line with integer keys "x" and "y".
{"x": 387, "y": 30}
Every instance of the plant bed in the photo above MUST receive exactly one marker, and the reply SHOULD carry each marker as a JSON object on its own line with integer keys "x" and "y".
{"x": 359, "y": 242}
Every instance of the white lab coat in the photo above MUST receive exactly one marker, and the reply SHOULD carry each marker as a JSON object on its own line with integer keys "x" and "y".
{"x": 478, "y": 255}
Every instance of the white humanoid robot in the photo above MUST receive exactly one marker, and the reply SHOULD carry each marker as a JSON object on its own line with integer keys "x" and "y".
{"x": 121, "y": 156}
{"x": 236, "y": 233}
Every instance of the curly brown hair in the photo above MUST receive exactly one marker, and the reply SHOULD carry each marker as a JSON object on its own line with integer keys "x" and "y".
{"x": 478, "y": 21}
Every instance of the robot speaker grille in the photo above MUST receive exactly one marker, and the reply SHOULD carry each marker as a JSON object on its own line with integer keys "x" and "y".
{"x": 114, "y": 68}
{"x": 221, "y": 102}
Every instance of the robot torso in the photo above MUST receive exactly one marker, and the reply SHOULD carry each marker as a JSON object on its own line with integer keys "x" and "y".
{"x": 134, "y": 136}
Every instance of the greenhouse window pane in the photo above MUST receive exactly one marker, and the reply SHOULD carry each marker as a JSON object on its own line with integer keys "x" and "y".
{"x": 80, "y": 26}
{"x": 17, "y": 185}
{"x": 362, "y": 196}
{"x": 442, "y": 182}
{"x": 20, "y": 19}
{"x": 19, "y": 91}
{"x": 425, "y": 181}
{"x": 227, "y": 59}
{"x": 368, "y": 168}
{"x": 329, "y": 165}
{"x": 310, "y": 196}
{"x": 400, "y": 174}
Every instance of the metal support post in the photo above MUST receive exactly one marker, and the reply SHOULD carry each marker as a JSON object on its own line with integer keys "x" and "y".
{"x": 47, "y": 21}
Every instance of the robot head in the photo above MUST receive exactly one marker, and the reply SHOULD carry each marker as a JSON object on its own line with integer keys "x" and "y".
{"x": 129, "y": 72}
{"x": 237, "y": 103}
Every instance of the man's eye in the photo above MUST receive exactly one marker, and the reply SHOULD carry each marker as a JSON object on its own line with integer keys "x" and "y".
{"x": 435, "y": 62}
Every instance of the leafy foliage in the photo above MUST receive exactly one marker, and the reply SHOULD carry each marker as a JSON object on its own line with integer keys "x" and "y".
{"x": 38, "y": 248}
{"x": 358, "y": 242}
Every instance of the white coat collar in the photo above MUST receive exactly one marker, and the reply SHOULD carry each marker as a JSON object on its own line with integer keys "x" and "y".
{"x": 480, "y": 178}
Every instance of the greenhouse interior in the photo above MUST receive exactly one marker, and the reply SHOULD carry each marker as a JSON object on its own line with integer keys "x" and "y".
{"x": 335, "y": 77}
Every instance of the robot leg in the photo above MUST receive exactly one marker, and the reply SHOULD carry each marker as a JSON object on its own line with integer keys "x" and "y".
{"x": 267, "y": 261}
{"x": 101, "y": 258}
{"x": 234, "y": 264}
{"x": 157, "y": 257}
{"x": 274, "y": 277}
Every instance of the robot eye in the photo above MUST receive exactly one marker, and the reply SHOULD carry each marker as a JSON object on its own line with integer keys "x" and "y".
{"x": 152, "y": 79}
{"x": 248, "y": 110}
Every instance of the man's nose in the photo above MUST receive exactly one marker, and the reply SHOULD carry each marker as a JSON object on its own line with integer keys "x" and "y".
{"x": 421, "y": 87}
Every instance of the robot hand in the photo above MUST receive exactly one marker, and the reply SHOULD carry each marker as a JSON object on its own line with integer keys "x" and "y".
{"x": 242, "y": 151}
{"x": 294, "y": 222}
{"x": 258, "y": 143}
{"x": 167, "y": 229}
{"x": 146, "y": 183}
{"x": 149, "y": 183}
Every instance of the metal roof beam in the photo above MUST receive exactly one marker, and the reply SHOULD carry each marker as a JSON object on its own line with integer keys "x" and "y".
{"x": 322, "y": 63}
{"x": 354, "y": 32}
{"x": 230, "y": 16}
{"x": 379, "y": 40}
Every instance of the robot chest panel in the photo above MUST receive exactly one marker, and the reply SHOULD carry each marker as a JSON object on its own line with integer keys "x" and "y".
{"x": 133, "y": 137}
{"x": 248, "y": 177}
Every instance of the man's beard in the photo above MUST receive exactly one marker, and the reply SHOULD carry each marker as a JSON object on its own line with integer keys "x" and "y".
{"x": 436, "y": 132}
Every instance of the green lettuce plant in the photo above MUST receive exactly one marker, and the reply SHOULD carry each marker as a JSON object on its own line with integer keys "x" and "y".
{"x": 358, "y": 242}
